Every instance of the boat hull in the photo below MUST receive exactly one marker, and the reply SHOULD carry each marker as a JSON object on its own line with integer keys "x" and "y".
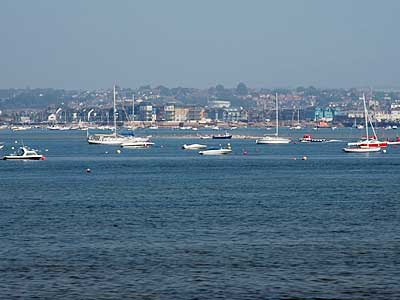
{"x": 273, "y": 141}
{"x": 362, "y": 150}
{"x": 215, "y": 152}
{"x": 11, "y": 157}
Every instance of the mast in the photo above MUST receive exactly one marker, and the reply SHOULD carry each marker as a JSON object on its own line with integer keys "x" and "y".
{"x": 133, "y": 108}
{"x": 366, "y": 119}
{"x": 276, "y": 115}
{"x": 114, "y": 114}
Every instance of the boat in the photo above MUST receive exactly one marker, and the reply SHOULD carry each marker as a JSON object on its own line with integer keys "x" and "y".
{"x": 274, "y": 139}
{"x": 113, "y": 138}
{"x": 226, "y": 135}
{"x": 137, "y": 144}
{"x": 1, "y": 146}
{"x": 205, "y": 137}
{"x": 362, "y": 149}
{"x": 25, "y": 153}
{"x": 20, "y": 128}
{"x": 193, "y": 146}
{"x": 370, "y": 144}
{"x": 307, "y": 138}
{"x": 217, "y": 151}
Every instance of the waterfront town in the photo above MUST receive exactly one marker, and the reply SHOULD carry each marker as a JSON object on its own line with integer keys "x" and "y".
{"x": 190, "y": 107}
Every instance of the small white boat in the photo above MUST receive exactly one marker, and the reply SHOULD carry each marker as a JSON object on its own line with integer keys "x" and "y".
{"x": 137, "y": 144}
{"x": 219, "y": 151}
{"x": 194, "y": 146}
{"x": 206, "y": 137}
{"x": 25, "y": 153}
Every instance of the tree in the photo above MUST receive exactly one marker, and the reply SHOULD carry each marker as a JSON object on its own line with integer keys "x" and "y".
{"x": 241, "y": 89}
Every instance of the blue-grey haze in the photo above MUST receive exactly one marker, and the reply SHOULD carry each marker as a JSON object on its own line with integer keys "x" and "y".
{"x": 90, "y": 44}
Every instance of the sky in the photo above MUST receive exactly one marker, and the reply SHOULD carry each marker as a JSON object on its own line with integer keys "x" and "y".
{"x": 88, "y": 44}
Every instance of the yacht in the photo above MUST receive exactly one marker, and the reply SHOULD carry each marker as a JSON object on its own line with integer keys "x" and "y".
{"x": 370, "y": 144}
{"x": 25, "y": 153}
{"x": 274, "y": 139}
{"x": 113, "y": 138}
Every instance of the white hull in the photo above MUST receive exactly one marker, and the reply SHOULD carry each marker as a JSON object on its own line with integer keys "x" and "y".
{"x": 194, "y": 147}
{"x": 110, "y": 139}
{"x": 273, "y": 140}
{"x": 362, "y": 150}
{"x": 138, "y": 144}
{"x": 215, "y": 152}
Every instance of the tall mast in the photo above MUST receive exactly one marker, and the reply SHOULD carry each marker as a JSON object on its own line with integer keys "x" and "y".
{"x": 366, "y": 119}
{"x": 276, "y": 114}
{"x": 133, "y": 108}
{"x": 115, "y": 113}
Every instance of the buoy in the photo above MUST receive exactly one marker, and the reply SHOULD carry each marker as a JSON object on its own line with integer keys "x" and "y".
{"x": 16, "y": 142}
{"x": 245, "y": 153}
{"x": 46, "y": 150}
{"x": 106, "y": 152}
{"x": 304, "y": 158}
{"x": 12, "y": 148}
{"x": 88, "y": 170}
{"x": 384, "y": 150}
{"x": 43, "y": 158}
{"x": 294, "y": 158}
{"x": 118, "y": 151}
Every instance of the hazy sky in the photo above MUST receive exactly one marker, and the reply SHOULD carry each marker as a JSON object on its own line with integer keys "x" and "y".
{"x": 94, "y": 43}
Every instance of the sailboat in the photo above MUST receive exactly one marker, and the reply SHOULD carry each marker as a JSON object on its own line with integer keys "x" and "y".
{"x": 114, "y": 138}
{"x": 370, "y": 144}
{"x": 274, "y": 139}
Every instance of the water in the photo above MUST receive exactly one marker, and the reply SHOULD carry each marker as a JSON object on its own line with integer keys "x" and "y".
{"x": 164, "y": 223}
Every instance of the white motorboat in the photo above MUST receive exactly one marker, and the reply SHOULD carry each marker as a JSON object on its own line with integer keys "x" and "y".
{"x": 25, "y": 153}
{"x": 137, "y": 144}
{"x": 194, "y": 146}
{"x": 274, "y": 139}
{"x": 218, "y": 151}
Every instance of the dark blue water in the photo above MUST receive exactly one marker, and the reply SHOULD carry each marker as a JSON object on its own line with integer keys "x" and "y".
{"x": 164, "y": 223}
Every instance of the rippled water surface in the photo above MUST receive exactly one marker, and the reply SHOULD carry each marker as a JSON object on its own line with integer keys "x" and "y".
{"x": 164, "y": 223}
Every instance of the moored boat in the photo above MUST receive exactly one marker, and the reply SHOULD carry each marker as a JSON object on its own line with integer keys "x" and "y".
{"x": 137, "y": 144}
{"x": 370, "y": 144}
{"x": 307, "y": 138}
{"x": 226, "y": 135}
{"x": 193, "y": 146}
{"x": 25, "y": 153}
{"x": 217, "y": 151}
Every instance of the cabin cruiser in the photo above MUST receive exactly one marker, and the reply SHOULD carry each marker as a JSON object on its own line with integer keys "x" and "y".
{"x": 25, "y": 153}
{"x": 307, "y": 138}
{"x": 218, "y": 151}
{"x": 194, "y": 146}
{"x": 226, "y": 135}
